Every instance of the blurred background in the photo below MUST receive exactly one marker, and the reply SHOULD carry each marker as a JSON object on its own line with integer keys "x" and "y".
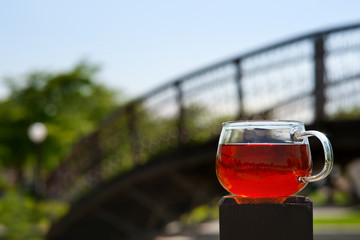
{"x": 110, "y": 111}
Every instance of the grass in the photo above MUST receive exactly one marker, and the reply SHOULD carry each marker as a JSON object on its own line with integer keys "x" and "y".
{"x": 344, "y": 218}
{"x": 337, "y": 220}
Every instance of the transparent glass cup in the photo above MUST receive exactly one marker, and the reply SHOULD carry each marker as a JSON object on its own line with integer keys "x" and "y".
{"x": 265, "y": 159}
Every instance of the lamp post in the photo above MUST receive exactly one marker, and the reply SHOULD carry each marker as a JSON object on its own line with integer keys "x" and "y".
{"x": 37, "y": 133}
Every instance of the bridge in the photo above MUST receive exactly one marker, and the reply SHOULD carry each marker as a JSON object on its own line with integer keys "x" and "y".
{"x": 153, "y": 159}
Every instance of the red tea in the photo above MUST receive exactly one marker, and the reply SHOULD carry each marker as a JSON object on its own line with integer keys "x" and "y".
{"x": 263, "y": 170}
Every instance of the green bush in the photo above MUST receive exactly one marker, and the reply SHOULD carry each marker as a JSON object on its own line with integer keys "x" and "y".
{"x": 23, "y": 217}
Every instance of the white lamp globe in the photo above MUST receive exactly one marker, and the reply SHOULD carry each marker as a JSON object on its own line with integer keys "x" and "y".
{"x": 37, "y": 132}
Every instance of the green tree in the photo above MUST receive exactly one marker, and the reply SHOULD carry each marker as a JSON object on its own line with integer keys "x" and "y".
{"x": 69, "y": 103}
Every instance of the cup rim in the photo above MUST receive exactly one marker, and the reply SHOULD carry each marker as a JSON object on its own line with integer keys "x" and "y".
{"x": 263, "y": 122}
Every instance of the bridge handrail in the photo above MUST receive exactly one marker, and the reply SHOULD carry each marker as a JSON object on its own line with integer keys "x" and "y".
{"x": 312, "y": 35}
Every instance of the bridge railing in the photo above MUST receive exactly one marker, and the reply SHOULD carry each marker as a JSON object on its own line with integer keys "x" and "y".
{"x": 309, "y": 78}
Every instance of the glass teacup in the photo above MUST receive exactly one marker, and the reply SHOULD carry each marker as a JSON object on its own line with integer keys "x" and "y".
{"x": 265, "y": 159}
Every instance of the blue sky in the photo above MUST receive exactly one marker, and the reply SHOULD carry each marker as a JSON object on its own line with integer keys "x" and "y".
{"x": 142, "y": 44}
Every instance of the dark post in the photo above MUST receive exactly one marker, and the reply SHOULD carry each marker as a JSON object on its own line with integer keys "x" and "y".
{"x": 181, "y": 120}
{"x": 320, "y": 75}
{"x": 259, "y": 219}
{"x": 238, "y": 77}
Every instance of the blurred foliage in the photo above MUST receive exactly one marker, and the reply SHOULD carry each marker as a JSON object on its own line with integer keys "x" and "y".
{"x": 325, "y": 196}
{"x": 22, "y": 217}
{"x": 351, "y": 114}
{"x": 69, "y": 103}
{"x": 201, "y": 213}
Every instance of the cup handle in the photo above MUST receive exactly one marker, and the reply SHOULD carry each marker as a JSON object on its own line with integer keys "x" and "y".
{"x": 329, "y": 155}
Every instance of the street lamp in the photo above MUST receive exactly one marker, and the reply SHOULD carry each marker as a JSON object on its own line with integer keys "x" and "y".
{"x": 37, "y": 133}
